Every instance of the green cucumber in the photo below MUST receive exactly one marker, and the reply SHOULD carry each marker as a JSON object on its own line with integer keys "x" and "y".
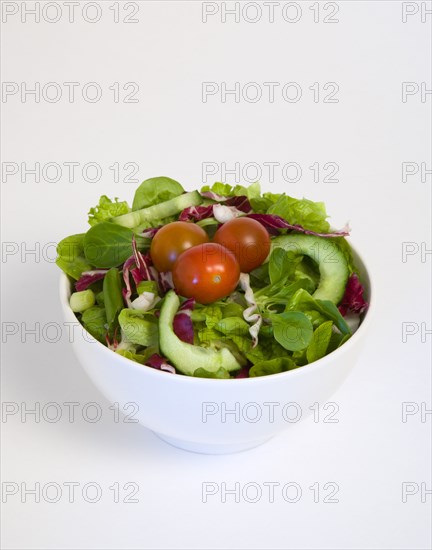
{"x": 330, "y": 259}
{"x": 187, "y": 357}
{"x": 159, "y": 211}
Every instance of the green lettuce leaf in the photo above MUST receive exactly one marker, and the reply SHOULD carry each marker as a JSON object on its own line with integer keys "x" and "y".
{"x": 308, "y": 214}
{"x": 107, "y": 209}
{"x": 220, "y": 373}
{"x": 139, "y": 327}
{"x": 95, "y": 322}
{"x": 272, "y": 366}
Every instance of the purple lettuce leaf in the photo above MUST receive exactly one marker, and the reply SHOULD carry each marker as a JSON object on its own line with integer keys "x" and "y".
{"x": 182, "y": 324}
{"x": 88, "y": 278}
{"x": 158, "y": 362}
{"x": 196, "y": 213}
{"x": 353, "y": 300}
{"x": 274, "y": 224}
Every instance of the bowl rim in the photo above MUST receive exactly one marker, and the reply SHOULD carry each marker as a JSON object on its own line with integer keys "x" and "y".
{"x": 324, "y": 362}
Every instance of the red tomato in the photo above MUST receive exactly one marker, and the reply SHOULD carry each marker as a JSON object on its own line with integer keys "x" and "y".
{"x": 173, "y": 239}
{"x": 247, "y": 239}
{"x": 206, "y": 272}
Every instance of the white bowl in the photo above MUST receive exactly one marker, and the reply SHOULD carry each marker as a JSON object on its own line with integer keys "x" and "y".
{"x": 210, "y": 415}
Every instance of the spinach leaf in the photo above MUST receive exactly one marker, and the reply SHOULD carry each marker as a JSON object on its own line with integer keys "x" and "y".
{"x": 292, "y": 329}
{"x": 303, "y": 301}
{"x": 71, "y": 258}
{"x": 109, "y": 245}
{"x": 113, "y": 299}
{"x": 154, "y": 191}
{"x": 320, "y": 342}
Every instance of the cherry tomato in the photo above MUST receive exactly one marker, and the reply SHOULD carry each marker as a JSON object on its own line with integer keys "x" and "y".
{"x": 247, "y": 239}
{"x": 206, "y": 272}
{"x": 173, "y": 239}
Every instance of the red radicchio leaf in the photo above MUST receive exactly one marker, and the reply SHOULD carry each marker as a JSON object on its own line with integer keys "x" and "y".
{"x": 150, "y": 232}
{"x": 241, "y": 203}
{"x": 160, "y": 363}
{"x": 165, "y": 281}
{"x": 140, "y": 267}
{"x": 274, "y": 223}
{"x": 243, "y": 372}
{"x": 88, "y": 278}
{"x": 196, "y": 213}
{"x": 213, "y": 196}
{"x": 353, "y": 300}
{"x": 182, "y": 324}
{"x": 142, "y": 263}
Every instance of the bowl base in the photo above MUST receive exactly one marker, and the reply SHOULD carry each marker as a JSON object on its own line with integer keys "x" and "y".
{"x": 211, "y": 448}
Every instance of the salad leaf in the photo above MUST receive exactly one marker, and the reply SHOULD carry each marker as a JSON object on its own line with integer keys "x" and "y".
{"x": 158, "y": 362}
{"x": 272, "y": 366}
{"x": 182, "y": 322}
{"x": 90, "y": 277}
{"x": 292, "y": 329}
{"x": 220, "y": 373}
{"x": 233, "y": 326}
{"x": 71, "y": 258}
{"x": 139, "y": 327}
{"x": 107, "y": 209}
{"x": 274, "y": 224}
{"x": 310, "y": 215}
{"x": 282, "y": 264}
{"x": 109, "y": 245}
{"x": 155, "y": 190}
{"x": 113, "y": 299}
{"x": 321, "y": 310}
{"x": 94, "y": 321}
{"x": 131, "y": 355}
{"x": 353, "y": 300}
{"x": 320, "y": 341}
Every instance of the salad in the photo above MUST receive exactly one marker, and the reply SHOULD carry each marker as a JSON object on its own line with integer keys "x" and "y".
{"x": 225, "y": 282}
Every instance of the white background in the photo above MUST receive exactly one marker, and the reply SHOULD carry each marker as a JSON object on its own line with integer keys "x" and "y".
{"x": 369, "y": 133}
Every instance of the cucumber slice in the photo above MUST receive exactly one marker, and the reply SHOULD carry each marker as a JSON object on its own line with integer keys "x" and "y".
{"x": 330, "y": 259}
{"x": 187, "y": 357}
{"x": 159, "y": 211}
